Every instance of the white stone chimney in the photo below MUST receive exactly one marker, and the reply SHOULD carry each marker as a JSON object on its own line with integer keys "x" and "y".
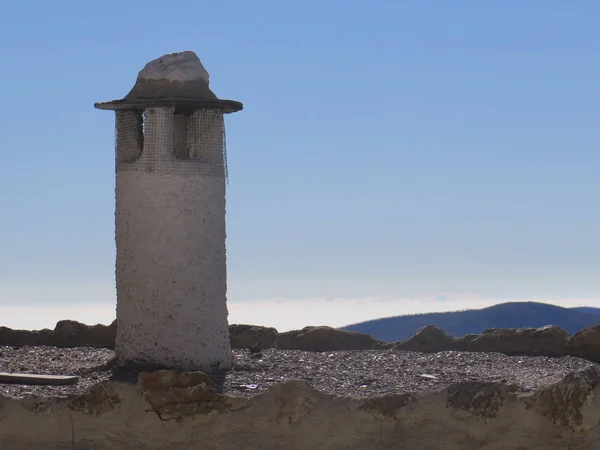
{"x": 170, "y": 218}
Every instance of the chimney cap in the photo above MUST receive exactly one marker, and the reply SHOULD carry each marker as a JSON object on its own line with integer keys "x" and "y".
{"x": 176, "y": 79}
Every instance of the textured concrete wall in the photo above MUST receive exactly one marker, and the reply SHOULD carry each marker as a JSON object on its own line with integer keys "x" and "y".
{"x": 171, "y": 268}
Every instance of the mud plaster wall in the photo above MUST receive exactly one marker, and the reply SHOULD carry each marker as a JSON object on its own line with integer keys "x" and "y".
{"x": 171, "y": 261}
{"x": 294, "y": 416}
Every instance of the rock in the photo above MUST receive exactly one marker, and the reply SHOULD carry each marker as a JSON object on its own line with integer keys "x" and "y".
{"x": 70, "y": 333}
{"x": 586, "y": 343}
{"x": 324, "y": 339}
{"x": 574, "y": 401}
{"x": 427, "y": 339}
{"x": 174, "y": 75}
{"x": 161, "y": 380}
{"x": 549, "y": 340}
{"x": 181, "y": 66}
{"x": 177, "y": 395}
{"x": 252, "y": 337}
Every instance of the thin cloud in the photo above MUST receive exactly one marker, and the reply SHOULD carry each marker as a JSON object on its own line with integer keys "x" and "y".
{"x": 281, "y": 313}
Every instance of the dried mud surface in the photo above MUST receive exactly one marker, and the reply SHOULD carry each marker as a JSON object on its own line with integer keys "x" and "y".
{"x": 344, "y": 373}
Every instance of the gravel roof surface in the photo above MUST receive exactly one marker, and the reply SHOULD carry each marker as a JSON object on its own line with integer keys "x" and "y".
{"x": 87, "y": 363}
{"x": 375, "y": 372}
{"x": 345, "y": 373}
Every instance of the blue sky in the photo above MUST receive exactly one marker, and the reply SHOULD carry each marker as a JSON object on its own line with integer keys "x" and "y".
{"x": 392, "y": 156}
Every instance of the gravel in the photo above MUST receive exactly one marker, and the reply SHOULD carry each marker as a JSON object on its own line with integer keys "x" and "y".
{"x": 87, "y": 363}
{"x": 345, "y": 373}
{"x": 374, "y": 372}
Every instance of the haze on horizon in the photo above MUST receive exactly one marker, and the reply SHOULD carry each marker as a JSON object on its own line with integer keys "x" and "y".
{"x": 390, "y": 158}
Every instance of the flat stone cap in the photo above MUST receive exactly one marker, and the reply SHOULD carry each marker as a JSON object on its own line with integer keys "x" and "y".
{"x": 176, "y": 79}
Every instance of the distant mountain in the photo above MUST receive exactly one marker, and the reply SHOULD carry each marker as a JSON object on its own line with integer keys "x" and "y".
{"x": 587, "y": 310}
{"x": 459, "y": 323}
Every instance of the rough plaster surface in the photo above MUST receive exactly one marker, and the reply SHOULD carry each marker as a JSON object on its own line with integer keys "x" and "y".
{"x": 181, "y": 66}
{"x": 179, "y": 411}
{"x": 171, "y": 260}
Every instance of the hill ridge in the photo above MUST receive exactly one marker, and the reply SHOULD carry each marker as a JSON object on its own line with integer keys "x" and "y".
{"x": 461, "y": 322}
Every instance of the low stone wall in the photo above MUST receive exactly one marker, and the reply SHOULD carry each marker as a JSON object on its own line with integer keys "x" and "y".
{"x": 326, "y": 339}
{"x": 67, "y": 333}
{"x": 178, "y": 411}
{"x": 548, "y": 341}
